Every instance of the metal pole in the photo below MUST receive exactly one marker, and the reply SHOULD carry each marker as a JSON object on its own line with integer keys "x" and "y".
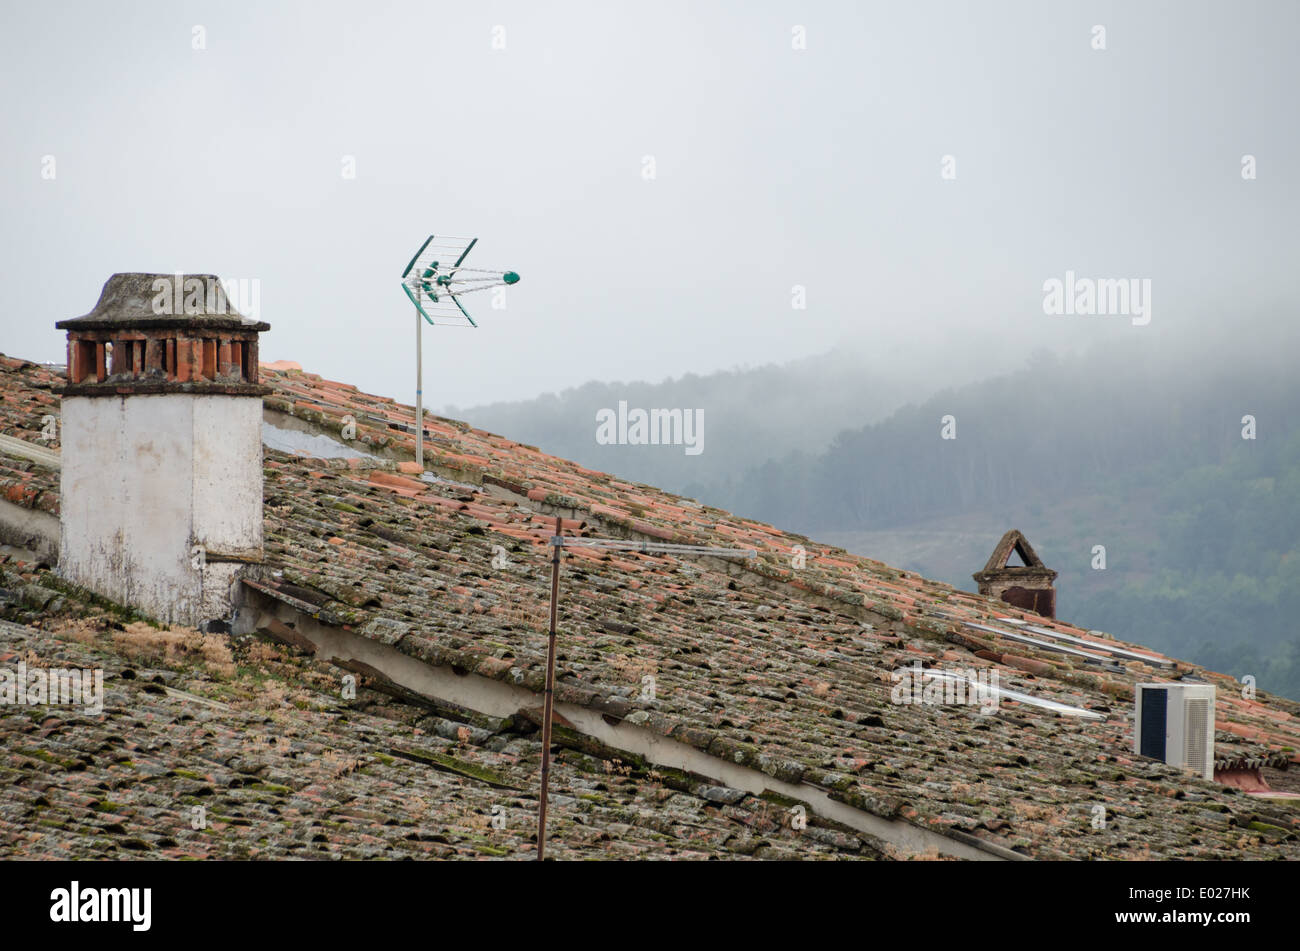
{"x": 419, "y": 390}
{"x": 548, "y": 707}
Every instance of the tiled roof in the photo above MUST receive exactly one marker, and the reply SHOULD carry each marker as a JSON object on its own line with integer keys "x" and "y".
{"x": 784, "y": 669}
{"x": 26, "y": 397}
{"x": 282, "y": 768}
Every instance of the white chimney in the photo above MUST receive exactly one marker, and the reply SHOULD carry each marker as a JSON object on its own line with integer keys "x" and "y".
{"x": 161, "y": 492}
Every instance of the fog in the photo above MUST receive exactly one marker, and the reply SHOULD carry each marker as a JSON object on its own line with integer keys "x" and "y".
{"x": 774, "y": 166}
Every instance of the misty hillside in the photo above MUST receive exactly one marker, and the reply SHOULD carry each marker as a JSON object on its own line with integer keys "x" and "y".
{"x": 1199, "y": 526}
{"x": 750, "y": 416}
{"x": 1135, "y": 447}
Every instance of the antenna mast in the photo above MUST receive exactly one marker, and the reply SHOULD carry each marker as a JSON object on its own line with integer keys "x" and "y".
{"x": 435, "y": 287}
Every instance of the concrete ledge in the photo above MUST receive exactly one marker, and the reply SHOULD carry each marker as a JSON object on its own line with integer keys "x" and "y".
{"x": 257, "y": 612}
{"x": 30, "y": 529}
{"x": 22, "y": 449}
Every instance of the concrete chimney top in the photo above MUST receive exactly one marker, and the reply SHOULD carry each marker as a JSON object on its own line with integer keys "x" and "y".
{"x": 135, "y": 300}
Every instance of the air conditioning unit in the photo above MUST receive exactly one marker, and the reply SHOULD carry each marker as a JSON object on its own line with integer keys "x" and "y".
{"x": 1175, "y": 723}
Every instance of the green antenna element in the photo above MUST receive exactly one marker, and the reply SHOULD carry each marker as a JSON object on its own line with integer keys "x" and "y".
{"x": 435, "y": 288}
{"x": 435, "y": 285}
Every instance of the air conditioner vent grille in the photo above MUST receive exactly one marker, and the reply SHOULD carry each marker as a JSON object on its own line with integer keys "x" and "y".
{"x": 1197, "y": 732}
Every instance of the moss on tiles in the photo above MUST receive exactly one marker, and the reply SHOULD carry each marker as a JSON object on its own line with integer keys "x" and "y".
{"x": 270, "y": 787}
{"x": 451, "y": 763}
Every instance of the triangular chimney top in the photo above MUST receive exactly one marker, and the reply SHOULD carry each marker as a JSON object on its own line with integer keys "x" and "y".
{"x": 1027, "y": 586}
{"x": 1014, "y": 541}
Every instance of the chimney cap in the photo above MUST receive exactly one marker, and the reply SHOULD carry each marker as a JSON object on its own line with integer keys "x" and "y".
{"x": 997, "y": 567}
{"x": 140, "y": 300}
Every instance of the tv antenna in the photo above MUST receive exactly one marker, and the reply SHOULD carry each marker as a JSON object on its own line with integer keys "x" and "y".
{"x": 435, "y": 280}
{"x": 558, "y": 541}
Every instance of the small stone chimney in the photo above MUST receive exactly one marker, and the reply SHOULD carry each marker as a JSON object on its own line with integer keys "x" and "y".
{"x": 161, "y": 491}
{"x": 1028, "y": 586}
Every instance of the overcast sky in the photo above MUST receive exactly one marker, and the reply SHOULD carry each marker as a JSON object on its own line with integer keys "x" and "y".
{"x": 774, "y": 166}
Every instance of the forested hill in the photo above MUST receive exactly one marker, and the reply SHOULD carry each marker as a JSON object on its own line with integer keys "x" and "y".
{"x": 1054, "y": 430}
